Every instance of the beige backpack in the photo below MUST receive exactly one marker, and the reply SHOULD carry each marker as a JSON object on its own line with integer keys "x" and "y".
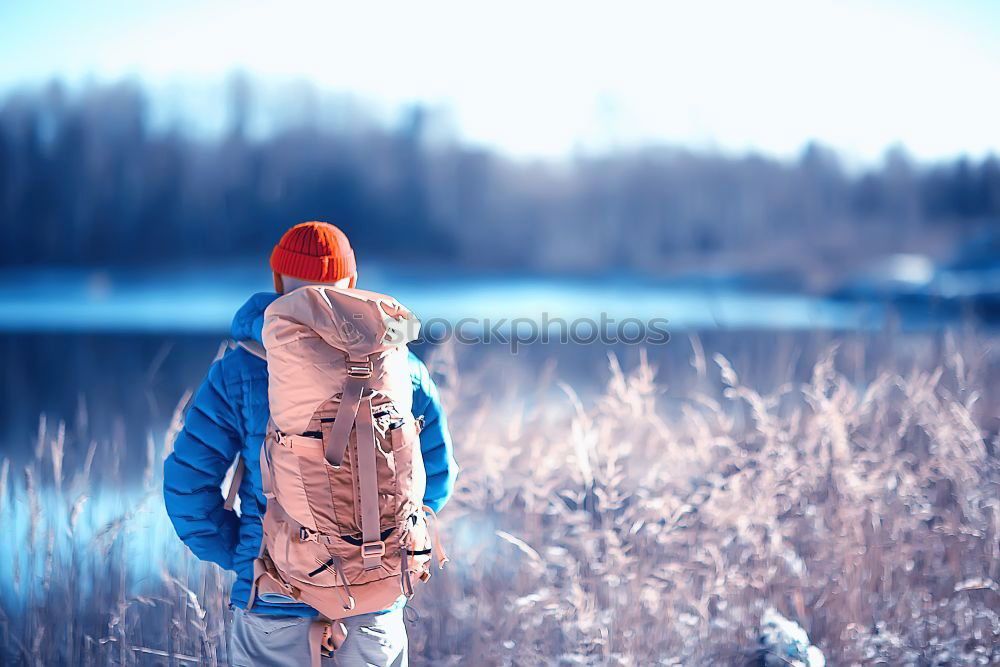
{"x": 345, "y": 529}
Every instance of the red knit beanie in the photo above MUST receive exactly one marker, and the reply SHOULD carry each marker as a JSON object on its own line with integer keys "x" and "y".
{"x": 314, "y": 251}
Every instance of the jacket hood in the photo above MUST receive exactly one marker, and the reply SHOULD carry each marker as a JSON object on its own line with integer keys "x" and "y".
{"x": 248, "y": 323}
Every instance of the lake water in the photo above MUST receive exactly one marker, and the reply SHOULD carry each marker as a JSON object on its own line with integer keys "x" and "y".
{"x": 201, "y": 300}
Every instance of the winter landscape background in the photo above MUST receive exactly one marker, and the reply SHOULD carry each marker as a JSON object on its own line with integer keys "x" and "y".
{"x": 819, "y": 436}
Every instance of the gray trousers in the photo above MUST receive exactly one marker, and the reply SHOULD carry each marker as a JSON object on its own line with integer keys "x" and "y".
{"x": 263, "y": 640}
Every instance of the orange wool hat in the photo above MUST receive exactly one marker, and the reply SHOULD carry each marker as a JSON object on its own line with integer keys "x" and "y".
{"x": 314, "y": 251}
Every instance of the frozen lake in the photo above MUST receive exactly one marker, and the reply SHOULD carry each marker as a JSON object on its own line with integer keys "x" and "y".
{"x": 203, "y": 301}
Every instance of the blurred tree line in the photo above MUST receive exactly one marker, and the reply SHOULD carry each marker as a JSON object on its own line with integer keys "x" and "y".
{"x": 86, "y": 178}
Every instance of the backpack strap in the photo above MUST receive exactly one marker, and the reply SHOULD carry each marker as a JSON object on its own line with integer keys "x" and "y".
{"x": 372, "y": 547}
{"x": 325, "y": 637}
{"x": 442, "y": 557}
{"x": 253, "y": 347}
{"x": 336, "y": 435}
{"x": 355, "y": 412}
{"x": 234, "y": 484}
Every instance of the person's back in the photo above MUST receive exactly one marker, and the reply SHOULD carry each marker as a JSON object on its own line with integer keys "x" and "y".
{"x": 228, "y": 418}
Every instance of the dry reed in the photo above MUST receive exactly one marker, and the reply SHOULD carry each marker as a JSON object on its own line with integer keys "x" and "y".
{"x": 643, "y": 524}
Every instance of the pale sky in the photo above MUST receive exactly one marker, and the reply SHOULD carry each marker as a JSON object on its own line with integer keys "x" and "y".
{"x": 545, "y": 78}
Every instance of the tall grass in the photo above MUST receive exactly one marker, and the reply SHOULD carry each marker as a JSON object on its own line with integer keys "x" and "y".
{"x": 648, "y": 521}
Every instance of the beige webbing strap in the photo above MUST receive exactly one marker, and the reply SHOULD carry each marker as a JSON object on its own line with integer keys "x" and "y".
{"x": 266, "y": 482}
{"x": 254, "y": 348}
{"x": 336, "y": 435}
{"x": 317, "y": 629}
{"x": 234, "y": 485}
{"x": 442, "y": 557}
{"x": 325, "y": 635}
{"x": 404, "y": 573}
{"x": 372, "y": 548}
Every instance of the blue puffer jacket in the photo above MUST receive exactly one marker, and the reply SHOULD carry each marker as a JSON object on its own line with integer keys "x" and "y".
{"x": 229, "y": 416}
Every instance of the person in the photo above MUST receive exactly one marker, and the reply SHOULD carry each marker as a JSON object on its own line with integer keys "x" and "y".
{"x": 228, "y": 418}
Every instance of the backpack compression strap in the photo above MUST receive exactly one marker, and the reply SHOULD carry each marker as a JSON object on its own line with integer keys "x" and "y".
{"x": 356, "y": 412}
{"x": 336, "y": 435}
{"x": 372, "y": 548}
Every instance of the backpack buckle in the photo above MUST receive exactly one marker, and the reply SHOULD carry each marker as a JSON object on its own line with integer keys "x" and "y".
{"x": 373, "y": 549}
{"x": 362, "y": 370}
